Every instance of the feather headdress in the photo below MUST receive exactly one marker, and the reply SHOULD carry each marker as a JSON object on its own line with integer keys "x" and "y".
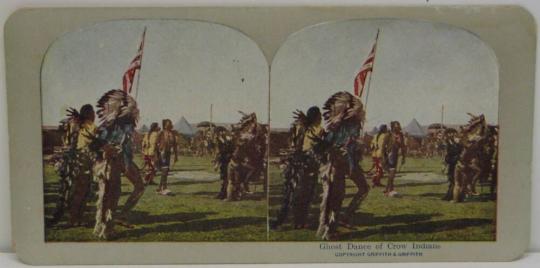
{"x": 475, "y": 130}
{"x": 70, "y": 126}
{"x": 343, "y": 107}
{"x": 245, "y": 121}
{"x": 72, "y": 114}
{"x": 117, "y": 106}
{"x": 300, "y": 118}
{"x": 475, "y": 124}
{"x": 475, "y": 120}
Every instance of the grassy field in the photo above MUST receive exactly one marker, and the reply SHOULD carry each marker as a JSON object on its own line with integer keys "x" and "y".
{"x": 193, "y": 214}
{"x": 418, "y": 215}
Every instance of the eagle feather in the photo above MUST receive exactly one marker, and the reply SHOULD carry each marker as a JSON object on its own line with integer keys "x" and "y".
{"x": 343, "y": 107}
{"x": 116, "y": 104}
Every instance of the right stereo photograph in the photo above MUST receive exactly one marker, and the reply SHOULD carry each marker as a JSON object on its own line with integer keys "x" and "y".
{"x": 383, "y": 130}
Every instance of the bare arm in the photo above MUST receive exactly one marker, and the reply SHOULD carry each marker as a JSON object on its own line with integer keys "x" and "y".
{"x": 175, "y": 148}
{"x": 403, "y": 149}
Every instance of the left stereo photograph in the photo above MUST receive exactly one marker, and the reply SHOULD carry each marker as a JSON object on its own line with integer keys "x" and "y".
{"x": 155, "y": 130}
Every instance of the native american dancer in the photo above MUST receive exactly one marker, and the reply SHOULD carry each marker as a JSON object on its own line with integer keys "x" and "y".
{"x": 74, "y": 164}
{"x": 394, "y": 148}
{"x": 340, "y": 151}
{"x": 301, "y": 170}
{"x": 487, "y": 158}
{"x": 210, "y": 140}
{"x": 453, "y": 151}
{"x": 204, "y": 141}
{"x": 473, "y": 138}
{"x": 378, "y": 153}
{"x": 493, "y": 151}
{"x": 225, "y": 148}
{"x": 166, "y": 147}
{"x": 65, "y": 163}
{"x": 149, "y": 150}
{"x": 118, "y": 113}
{"x": 245, "y": 164}
{"x": 259, "y": 159}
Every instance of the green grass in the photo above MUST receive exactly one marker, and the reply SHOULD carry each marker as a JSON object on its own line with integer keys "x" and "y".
{"x": 193, "y": 214}
{"x": 418, "y": 215}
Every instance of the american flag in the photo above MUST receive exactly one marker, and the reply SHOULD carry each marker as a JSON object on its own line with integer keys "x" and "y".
{"x": 367, "y": 68}
{"x": 134, "y": 66}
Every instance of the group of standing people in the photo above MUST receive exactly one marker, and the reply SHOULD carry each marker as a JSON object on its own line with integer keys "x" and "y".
{"x": 203, "y": 143}
{"x": 241, "y": 157}
{"x": 471, "y": 158}
{"x": 159, "y": 147}
{"x": 327, "y": 155}
{"x": 386, "y": 147}
{"x": 100, "y": 154}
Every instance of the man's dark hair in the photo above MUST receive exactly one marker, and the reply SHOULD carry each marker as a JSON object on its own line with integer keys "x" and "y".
{"x": 87, "y": 112}
{"x": 154, "y": 126}
{"x": 383, "y": 128}
{"x": 313, "y": 114}
{"x": 394, "y": 125}
{"x": 165, "y": 122}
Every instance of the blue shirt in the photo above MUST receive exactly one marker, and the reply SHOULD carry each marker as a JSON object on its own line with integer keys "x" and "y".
{"x": 120, "y": 135}
{"x": 345, "y": 136}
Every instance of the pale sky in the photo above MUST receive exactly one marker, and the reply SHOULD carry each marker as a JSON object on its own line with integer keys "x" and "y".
{"x": 419, "y": 67}
{"x": 187, "y": 66}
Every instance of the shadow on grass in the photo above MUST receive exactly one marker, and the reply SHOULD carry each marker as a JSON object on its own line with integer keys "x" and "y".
{"x": 88, "y": 218}
{"x": 436, "y": 195}
{"x": 51, "y": 186}
{"x": 186, "y": 169}
{"x": 143, "y": 217}
{"x": 257, "y": 196}
{"x": 276, "y": 189}
{"x": 414, "y": 184}
{"x": 367, "y": 219}
{"x": 134, "y": 217}
{"x": 416, "y": 171}
{"x": 206, "y": 193}
{"x": 50, "y": 198}
{"x": 196, "y": 226}
{"x": 190, "y": 182}
{"x": 276, "y": 193}
{"x": 49, "y": 211}
{"x": 484, "y": 197}
{"x": 125, "y": 193}
{"x": 418, "y": 227}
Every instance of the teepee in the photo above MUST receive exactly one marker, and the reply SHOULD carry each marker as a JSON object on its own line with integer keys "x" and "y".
{"x": 183, "y": 127}
{"x": 414, "y": 129}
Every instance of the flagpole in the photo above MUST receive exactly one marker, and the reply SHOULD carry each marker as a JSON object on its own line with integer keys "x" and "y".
{"x": 442, "y": 116}
{"x": 142, "y": 56}
{"x": 372, "y": 69}
{"x": 369, "y": 81}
